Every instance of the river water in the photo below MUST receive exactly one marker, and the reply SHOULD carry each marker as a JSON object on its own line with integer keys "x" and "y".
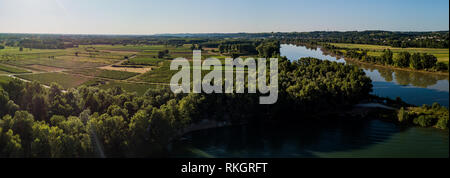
{"x": 339, "y": 138}
{"x": 413, "y": 87}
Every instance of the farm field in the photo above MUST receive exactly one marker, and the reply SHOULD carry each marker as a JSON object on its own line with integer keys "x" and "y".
{"x": 65, "y": 80}
{"x": 376, "y": 50}
{"x": 135, "y": 68}
{"x": 139, "y": 88}
{"x": 10, "y": 69}
{"x": 109, "y": 74}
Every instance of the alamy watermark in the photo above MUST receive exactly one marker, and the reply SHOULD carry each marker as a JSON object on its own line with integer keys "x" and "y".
{"x": 213, "y": 81}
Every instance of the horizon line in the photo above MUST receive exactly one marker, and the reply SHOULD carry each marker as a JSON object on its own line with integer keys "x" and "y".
{"x": 206, "y": 33}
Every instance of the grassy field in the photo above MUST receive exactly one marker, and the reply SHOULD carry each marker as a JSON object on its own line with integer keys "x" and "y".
{"x": 110, "y": 74}
{"x": 140, "y": 89}
{"x": 142, "y": 60}
{"x": 14, "y": 70}
{"x": 161, "y": 74}
{"x": 65, "y": 80}
{"x": 376, "y": 50}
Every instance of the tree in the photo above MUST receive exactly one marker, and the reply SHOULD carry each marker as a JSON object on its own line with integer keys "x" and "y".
{"x": 21, "y": 124}
{"x": 112, "y": 132}
{"x": 4, "y": 98}
{"x": 428, "y": 61}
{"x": 403, "y": 59}
{"x": 115, "y": 110}
{"x": 140, "y": 141}
{"x": 415, "y": 61}
{"x": 10, "y": 144}
{"x": 387, "y": 57}
{"x": 268, "y": 49}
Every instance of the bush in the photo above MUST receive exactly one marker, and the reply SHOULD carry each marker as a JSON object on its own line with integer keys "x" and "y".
{"x": 442, "y": 122}
{"x": 424, "y": 121}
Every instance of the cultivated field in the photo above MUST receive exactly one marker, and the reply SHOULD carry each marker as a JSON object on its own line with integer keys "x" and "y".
{"x": 65, "y": 80}
{"x": 135, "y": 68}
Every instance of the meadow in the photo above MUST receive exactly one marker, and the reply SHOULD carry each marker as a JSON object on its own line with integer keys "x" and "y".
{"x": 139, "y": 88}
{"x": 9, "y": 69}
{"x": 109, "y": 74}
{"x": 65, "y": 80}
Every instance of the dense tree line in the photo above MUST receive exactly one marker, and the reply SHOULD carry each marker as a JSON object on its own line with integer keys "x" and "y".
{"x": 244, "y": 48}
{"x": 418, "y": 61}
{"x": 438, "y": 39}
{"x": 44, "y": 44}
{"x": 268, "y": 49}
{"x": 76, "y": 123}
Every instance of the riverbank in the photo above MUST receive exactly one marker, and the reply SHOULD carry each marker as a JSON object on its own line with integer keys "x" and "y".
{"x": 334, "y": 54}
{"x": 396, "y": 68}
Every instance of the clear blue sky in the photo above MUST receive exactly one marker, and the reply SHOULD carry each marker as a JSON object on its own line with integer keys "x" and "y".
{"x": 227, "y": 16}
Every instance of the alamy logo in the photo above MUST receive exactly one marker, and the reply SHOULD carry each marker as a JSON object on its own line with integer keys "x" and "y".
{"x": 214, "y": 81}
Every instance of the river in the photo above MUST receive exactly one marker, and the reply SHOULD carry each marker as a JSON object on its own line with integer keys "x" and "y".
{"x": 413, "y": 87}
{"x": 340, "y": 138}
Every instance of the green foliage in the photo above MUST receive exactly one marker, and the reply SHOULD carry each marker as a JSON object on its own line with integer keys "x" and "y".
{"x": 269, "y": 49}
{"x": 425, "y": 116}
{"x": 403, "y": 59}
{"x": 418, "y": 61}
{"x": 387, "y": 57}
{"x": 386, "y": 38}
{"x": 10, "y": 144}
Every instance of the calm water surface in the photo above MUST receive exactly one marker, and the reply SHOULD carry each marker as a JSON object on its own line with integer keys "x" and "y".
{"x": 413, "y": 87}
{"x": 339, "y": 138}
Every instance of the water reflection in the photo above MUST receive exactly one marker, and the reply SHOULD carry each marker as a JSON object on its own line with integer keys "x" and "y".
{"x": 318, "y": 138}
{"x": 413, "y": 87}
{"x": 404, "y": 77}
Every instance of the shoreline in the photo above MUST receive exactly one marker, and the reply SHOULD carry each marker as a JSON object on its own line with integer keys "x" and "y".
{"x": 384, "y": 66}
{"x": 396, "y": 68}
{"x": 373, "y": 64}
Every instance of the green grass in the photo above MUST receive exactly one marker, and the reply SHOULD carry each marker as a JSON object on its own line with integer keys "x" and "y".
{"x": 162, "y": 74}
{"x": 14, "y": 70}
{"x": 110, "y": 74}
{"x": 65, "y": 80}
{"x": 60, "y": 62}
{"x": 140, "y": 89}
{"x": 3, "y": 72}
{"x": 141, "y": 60}
{"x": 376, "y": 50}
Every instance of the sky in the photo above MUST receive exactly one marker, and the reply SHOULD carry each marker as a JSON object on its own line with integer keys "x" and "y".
{"x": 219, "y": 16}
